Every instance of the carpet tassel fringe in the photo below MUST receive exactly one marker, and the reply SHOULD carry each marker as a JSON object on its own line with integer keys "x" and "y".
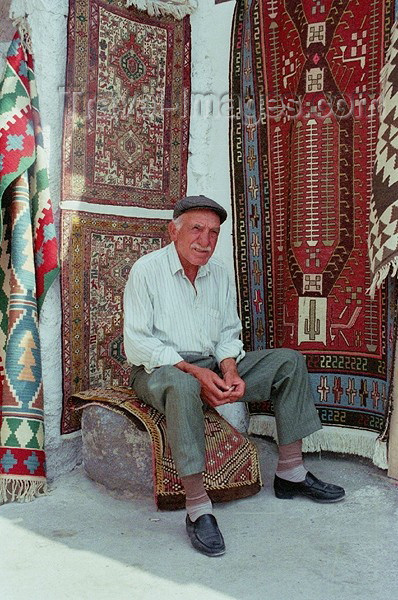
{"x": 21, "y": 490}
{"x": 21, "y": 23}
{"x": 158, "y": 8}
{"x": 381, "y": 274}
{"x": 332, "y": 439}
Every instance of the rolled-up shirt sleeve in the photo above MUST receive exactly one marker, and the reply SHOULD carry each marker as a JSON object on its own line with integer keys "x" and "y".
{"x": 140, "y": 345}
{"x": 230, "y": 344}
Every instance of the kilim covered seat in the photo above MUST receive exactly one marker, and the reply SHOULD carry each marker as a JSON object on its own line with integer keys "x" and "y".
{"x": 232, "y": 467}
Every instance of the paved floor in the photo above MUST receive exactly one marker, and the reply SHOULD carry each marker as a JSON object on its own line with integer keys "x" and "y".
{"x": 83, "y": 543}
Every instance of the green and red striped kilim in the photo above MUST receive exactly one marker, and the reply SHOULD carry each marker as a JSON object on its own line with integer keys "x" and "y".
{"x": 28, "y": 265}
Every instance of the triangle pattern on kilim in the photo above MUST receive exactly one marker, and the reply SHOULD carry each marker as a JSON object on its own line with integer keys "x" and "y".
{"x": 5, "y": 431}
{"x": 383, "y": 231}
{"x": 14, "y": 100}
{"x": 22, "y": 433}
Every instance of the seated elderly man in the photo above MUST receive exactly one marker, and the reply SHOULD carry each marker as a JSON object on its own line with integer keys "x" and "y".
{"x": 182, "y": 336}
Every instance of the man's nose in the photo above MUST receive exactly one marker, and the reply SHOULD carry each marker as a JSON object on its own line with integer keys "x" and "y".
{"x": 204, "y": 238}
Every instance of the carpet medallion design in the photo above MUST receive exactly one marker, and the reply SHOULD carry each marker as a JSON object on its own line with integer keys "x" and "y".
{"x": 127, "y": 106}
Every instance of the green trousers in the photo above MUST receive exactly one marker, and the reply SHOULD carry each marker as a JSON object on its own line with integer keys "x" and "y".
{"x": 279, "y": 375}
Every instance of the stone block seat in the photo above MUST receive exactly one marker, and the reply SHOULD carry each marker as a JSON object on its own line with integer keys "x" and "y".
{"x": 119, "y": 453}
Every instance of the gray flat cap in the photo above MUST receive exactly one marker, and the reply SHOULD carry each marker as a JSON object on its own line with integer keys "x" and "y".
{"x": 195, "y": 202}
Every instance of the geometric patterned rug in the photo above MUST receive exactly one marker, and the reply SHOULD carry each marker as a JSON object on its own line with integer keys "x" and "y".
{"x": 127, "y": 104}
{"x": 383, "y": 234}
{"x": 232, "y": 467}
{"x": 304, "y": 75}
{"x": 28, "y": 266}
{"x": 97, "y": 253}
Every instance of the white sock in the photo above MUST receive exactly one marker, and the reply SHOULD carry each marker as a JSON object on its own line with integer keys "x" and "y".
{"x": 197, "y": 501}
{"x": 197, "y": 510}
{"x": 295, "y": 475}
{"x": 290, "y": 463}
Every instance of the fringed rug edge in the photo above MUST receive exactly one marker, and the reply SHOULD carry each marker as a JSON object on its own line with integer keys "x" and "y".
{"x": 160, "y": 8}
{"x": 17, "y": 489}
{"x": 333, "y": 439}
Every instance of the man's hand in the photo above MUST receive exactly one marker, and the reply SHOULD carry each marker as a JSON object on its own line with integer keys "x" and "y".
{"x": 231, "y": 377}
{"x": 214, "y": 390}
{"x": 236, "y": 386}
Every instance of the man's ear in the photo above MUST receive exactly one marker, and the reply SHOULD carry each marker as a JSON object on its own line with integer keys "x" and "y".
{"x": 172, "y": 231}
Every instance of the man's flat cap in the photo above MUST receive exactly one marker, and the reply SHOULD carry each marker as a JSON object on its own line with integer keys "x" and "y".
{"x": 198, "y": 202}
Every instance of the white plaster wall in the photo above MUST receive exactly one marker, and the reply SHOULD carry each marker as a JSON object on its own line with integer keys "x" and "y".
{"x": 208, "y": 167}
{"x": 208, "y": 171}
{"x": 3, "y": 52}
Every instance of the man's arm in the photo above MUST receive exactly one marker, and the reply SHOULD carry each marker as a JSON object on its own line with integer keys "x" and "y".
{"x": 140, "y": 345}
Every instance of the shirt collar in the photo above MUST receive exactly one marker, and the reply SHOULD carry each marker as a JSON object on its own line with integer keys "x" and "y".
{"x": 175, "y": 263}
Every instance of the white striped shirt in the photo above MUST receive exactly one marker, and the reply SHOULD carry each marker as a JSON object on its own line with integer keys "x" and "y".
{"x": 164, "y": 314}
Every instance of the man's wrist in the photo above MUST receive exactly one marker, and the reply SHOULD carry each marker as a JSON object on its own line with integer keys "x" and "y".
{"x": 187, "y": 367}
{"x": 228, "y": 365}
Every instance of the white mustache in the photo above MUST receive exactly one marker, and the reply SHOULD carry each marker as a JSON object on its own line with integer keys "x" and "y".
{"x": 200, "y": 248}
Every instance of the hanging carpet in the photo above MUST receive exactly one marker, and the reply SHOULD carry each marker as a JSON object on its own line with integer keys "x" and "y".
{"x": 127, "y": 103}
{"x": 383, "y": 236}
{"x": 304, "y": 84}
{"x": 28, "y": 266}
{"x": 97, "y": 253}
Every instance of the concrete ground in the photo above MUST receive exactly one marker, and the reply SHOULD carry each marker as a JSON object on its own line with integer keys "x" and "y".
{"x": 84, "y": 543}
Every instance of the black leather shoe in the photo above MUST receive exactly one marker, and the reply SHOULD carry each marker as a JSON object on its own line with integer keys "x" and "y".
{"x": 205, "y": 535}
{"x": 311, "y": 487}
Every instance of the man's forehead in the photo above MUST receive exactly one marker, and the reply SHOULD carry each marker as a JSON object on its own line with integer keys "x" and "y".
{"x": 202, "y": 216}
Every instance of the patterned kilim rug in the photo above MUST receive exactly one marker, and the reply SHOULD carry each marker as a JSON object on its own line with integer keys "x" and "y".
{"x": 383, "y": 236}
{"x": 28, "y": 265}
{"x": 232, "y": 467}
{"x": 126, "y": 106}
{"x": 97, "y": 253}
{"x": 304, "y": 74}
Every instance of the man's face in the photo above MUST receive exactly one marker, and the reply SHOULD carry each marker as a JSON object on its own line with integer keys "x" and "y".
{"x": 196, "y": 238}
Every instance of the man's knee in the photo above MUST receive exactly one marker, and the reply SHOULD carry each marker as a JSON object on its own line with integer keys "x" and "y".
{"x": 174, "y": 383}
{"x": 181, "y": 399}
{"x": 292, "y": 360}
{"x": 290, "y": 355}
